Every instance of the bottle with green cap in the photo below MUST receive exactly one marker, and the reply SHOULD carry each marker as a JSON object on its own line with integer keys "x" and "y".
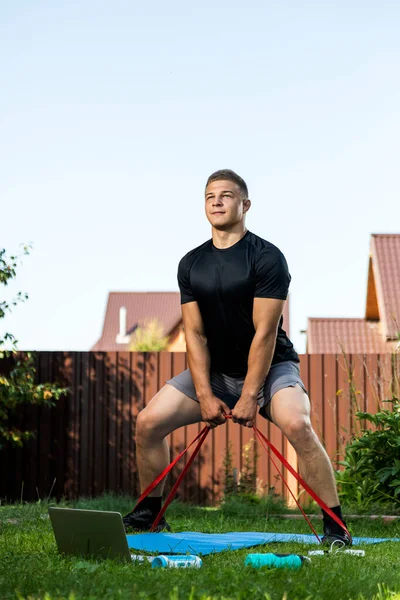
{"x": 177, "y": 561}
{"x": 285, "y": 561}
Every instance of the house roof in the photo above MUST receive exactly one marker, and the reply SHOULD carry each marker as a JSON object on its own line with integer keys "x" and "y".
{"x": 165, "y": 306}
{"x": 356, "y": 336}
{"x": 378, "y": 331}
{"x": 385, "y": 272}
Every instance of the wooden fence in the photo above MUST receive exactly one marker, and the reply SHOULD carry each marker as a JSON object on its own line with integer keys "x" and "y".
{"x": 85, "y": 445}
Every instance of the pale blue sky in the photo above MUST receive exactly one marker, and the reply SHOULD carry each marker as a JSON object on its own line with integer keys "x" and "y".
{"x": 112, "y": 115}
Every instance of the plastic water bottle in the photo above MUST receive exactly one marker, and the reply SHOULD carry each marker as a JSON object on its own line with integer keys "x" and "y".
{"x": 339, "y": 551}
{"x": 286, "y": 561}
{"x": 177, "y": 561}
{"x": 354, "y": 552}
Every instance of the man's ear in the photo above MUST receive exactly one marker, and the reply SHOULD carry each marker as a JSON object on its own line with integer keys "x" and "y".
{"x": 246, "y": 204}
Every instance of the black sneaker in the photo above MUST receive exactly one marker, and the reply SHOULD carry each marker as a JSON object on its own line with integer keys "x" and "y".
{"x": 338, "y": 537}
{"x": 142, "y": 520}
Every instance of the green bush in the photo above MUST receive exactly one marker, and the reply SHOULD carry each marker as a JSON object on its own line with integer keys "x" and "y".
{"x": 19, "y": 386}
{"x": 371, "y": 473}
{"x": 243, "y": 482}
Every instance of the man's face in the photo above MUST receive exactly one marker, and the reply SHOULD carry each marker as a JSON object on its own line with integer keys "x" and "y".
{"x": 224, "y": 204}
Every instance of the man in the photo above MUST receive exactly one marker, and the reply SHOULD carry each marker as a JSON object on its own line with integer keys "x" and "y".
{"x": 233, "y": 289}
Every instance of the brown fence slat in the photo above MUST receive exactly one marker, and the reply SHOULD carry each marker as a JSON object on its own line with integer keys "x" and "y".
{"x": 137, "y": 404}
{"x": 151, "y": 360}
{"x": 316, "y": 393}
{"x": 112, "y": 421}
{"x": 6, "y": 364}
{"x": 58, "y": 420}
{"x": 17, "y": 459}
{"x": 164, "y": 368}
{"x": 91, "y": 400}
{"x": 44, "y": 433}
{"x": 371, "y": 386}
{"x": 330, "y": 407}
{"x": 99, "y": 446}
{"x": 344, "y": 407}
{"x": 85, "y": 482}
{"x": 124, "y": 373}
{"x": 385, "y": 380}
{"x": 358, "y": 392}
{"x": 71, "y": 477}
{"x": 119, "y": 378}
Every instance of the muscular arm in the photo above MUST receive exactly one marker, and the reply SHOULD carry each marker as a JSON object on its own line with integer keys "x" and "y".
{"x": 213, "y": 409}
{"x": 266, "y": 315}
{"x": 197, "y": 350}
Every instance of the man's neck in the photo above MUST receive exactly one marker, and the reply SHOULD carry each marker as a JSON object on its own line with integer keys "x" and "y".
{"x": 225, "y": 239}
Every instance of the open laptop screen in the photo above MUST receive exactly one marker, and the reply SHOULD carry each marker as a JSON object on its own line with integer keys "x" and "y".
{"x": 87, "y": 533}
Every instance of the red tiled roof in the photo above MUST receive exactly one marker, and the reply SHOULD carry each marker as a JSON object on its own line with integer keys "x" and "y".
{"x": 357, "y": 336}
{"x": 385, "y": 254}
{"x": 378, "y": 332}
{"x": 165, "y": 306}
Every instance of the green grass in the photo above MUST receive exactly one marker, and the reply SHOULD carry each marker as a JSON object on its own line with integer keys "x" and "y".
{"x": 30, "y": 566}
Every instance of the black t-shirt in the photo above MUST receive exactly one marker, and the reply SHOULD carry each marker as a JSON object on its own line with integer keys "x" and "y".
{"x": 224, "y": 283}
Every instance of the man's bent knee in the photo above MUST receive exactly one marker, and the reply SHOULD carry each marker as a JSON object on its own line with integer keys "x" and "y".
{"x": 299, "y": 431}
{"x": 148, "y": 425}
{"x": 167, "y": 411}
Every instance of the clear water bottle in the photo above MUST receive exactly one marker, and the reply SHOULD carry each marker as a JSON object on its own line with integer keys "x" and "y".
{"x": 285, "y": 561}
{"x": 338, "y": 551}
{"x": 177, "y": 561}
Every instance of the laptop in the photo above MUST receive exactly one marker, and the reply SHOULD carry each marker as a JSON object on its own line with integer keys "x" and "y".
{"x": 91, "y": 533}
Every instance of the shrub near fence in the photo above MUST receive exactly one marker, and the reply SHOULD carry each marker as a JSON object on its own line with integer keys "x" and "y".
{"x": 85, "y": 445}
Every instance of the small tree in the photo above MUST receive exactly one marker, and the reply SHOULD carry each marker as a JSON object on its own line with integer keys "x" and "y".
{"x": 149, "y": 337}
{"x": 19, "y": 386}
{"x": 243, "y": 483}
{"x": 230, "y": 473}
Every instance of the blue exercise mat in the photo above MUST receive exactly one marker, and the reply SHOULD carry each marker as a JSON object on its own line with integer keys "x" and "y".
{"x": 206, "y": 543}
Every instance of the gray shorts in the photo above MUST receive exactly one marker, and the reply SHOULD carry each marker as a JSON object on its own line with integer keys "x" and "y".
{"x": 281, "y": 375}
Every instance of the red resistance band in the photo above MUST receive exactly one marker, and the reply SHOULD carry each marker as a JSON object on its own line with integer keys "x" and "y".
{"x": 263, "y": 440}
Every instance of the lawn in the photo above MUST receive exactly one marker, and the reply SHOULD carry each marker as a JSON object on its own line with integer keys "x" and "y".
{"x": 30, "y": 566}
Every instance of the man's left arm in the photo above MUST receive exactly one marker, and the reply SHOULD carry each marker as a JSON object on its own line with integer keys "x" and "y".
{"x": 266, "y": 316}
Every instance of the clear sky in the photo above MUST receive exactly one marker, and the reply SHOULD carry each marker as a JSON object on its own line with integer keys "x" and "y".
{"x": 112, "y": 115}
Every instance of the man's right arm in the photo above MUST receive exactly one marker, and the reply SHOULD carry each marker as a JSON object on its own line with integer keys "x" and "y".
{"x": 197, "y": 349}
{"x": 199, "y": 365}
